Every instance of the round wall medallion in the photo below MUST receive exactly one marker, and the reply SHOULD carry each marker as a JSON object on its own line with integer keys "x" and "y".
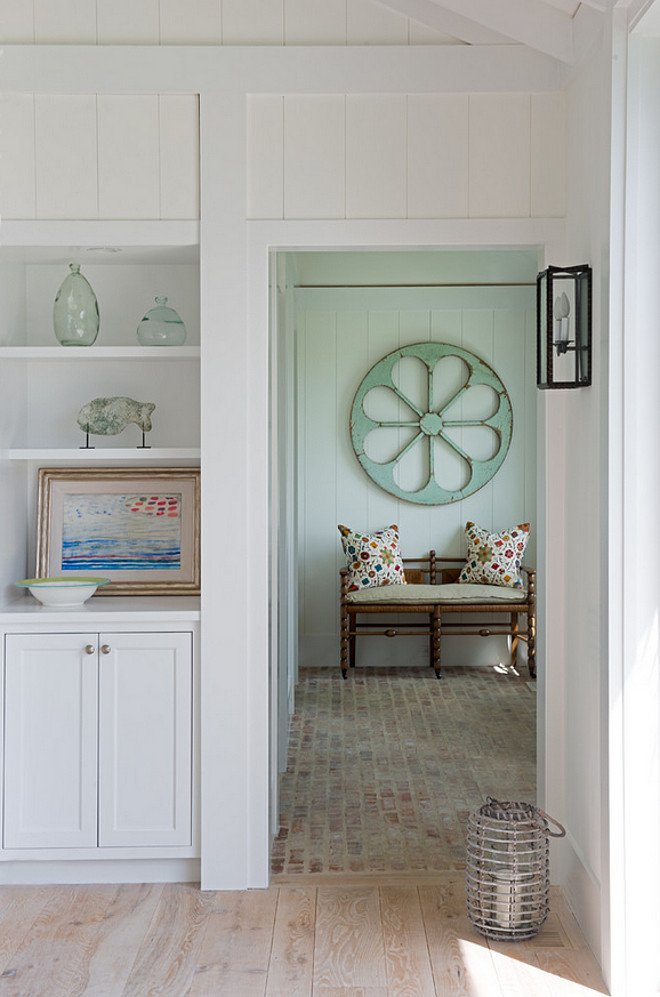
{"x": 422, "y": 423}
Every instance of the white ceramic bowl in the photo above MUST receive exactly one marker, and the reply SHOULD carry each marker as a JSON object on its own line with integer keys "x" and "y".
{"x": 65, "y": 592}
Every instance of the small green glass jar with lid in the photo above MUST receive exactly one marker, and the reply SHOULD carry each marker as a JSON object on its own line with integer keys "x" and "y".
{"x": 161, "y": 326}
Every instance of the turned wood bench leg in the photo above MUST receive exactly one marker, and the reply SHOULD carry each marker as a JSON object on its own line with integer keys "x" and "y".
{"x": 436, "y": 634}
{"x": 514, "y": 639}
{"x": 344, "y": 640}
{"x": 351, "y": 640}
{"x": 431, "y": 657}
{"x": 531, "y": 645}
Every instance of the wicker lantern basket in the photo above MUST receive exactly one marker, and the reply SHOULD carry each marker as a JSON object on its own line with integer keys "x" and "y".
{"x": 508, "y": 869}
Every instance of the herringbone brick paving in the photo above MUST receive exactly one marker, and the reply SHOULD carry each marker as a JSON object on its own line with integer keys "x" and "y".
{"x": 385, "y": 768}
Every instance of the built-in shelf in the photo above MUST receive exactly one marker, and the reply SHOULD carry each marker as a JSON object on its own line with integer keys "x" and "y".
{"x": 99, "y": 353}
{"x": 104, "y": 610}
{"x": 150, "y": 455}
{"x": 90, "y": 241}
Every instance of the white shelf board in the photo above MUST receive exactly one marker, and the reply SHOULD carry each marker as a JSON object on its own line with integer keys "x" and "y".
{"x": 99, "y": 353}
{"x": 104, "y": 610}
{"x": 100, "y": 241}
{"x": 99, "y": 455}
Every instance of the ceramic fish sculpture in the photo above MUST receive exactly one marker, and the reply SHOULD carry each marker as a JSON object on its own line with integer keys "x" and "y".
{"x": 109, "y": 416}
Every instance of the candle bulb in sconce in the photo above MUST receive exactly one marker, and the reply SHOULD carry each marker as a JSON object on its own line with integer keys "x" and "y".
{"x": 562, "y": 310}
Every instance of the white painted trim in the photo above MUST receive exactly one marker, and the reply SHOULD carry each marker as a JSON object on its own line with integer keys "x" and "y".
{"x": 471, "y": 233}
{"x": 613, "y": 900}
{"x": 262, "y": 239}
{"x": 63, "y": 872}
{"x": 278, "y": 69}
{"x": 152, "y": 234}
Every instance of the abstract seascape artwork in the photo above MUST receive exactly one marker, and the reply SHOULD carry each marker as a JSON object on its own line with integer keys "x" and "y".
{"x": 121, "y": 532}
{"x": 138, "y": 527}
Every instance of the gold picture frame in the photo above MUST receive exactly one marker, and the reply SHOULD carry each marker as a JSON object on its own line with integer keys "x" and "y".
{"x": 140, "y": 527}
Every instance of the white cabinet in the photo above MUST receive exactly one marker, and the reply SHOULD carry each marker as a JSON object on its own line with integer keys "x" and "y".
{"x": 98, "y": 740}
{"x": 50, "y": 763}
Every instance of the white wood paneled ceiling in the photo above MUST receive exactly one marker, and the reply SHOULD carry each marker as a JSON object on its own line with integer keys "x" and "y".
{"x": 562, "y": 29}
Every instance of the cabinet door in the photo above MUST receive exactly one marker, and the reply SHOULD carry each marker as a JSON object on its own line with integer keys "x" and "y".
{"x": 145, "y": 739}
{"x": 50, "y": 740}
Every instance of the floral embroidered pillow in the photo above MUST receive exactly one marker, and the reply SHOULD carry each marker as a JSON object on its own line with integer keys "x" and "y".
{"x": 495, "y": 558}
{"x": 372, "y": 558}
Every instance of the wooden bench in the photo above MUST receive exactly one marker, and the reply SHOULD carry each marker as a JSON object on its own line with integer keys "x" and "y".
{"x": 432, "y": 590}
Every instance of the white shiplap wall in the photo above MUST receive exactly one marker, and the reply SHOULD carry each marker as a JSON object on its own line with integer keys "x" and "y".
{"x": 341, "y": 334}
{"x": 209, "y": 22}
{"x": 310, "y": 157}
{"x": 134, "y": 156}
{"x": 415, "y": 156}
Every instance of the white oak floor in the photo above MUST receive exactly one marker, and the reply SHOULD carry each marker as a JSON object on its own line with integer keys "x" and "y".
{"x": 323, "y": 936}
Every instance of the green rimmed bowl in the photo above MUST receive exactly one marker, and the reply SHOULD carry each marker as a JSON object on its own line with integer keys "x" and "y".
{"x": 64, "y": 592}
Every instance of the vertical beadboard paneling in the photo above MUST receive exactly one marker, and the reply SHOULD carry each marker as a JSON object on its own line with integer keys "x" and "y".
{"x": 499, "y": 156}
{"x": 17, "y": 163}
{"x": 438, "y": 156}
{"x": 359, "y": 327}
{"x": 447, "y": 525}
{"x": 315, "y": 22}
{"x": 63, "y": 22}
{"x": 376, "y": 156}
{"x": 129, "y": 182}
{"x": 509, "y": 355}
{"x": 352, "y": 357}
{"x": 314, "y": 156}
{"x": 252, "y": 22}
{"x": 16, "y": 23}
{"x": 477, "y": 337}
{"x": 179, "y": 156}
{"x": 66, "y": 171}
{"x": 198, "y": 22}
{"x": 548, "y": 155}
{"x": 424, "y": 156}
{"x": 383, "y": 336}
{"x": 127, "y": 22}
{"x": 320, "y": 443}
{"x": 369, "y": 23}
{"x": 265, "y": 140}
{"x": 414, "y": 327}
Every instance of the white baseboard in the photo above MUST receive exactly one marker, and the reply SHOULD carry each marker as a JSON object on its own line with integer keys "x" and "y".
{"x": 581, "y": 890}
{"x": 57, "y": 873}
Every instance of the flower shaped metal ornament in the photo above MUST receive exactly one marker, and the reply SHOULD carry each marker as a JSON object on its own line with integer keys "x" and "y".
{"x": 426, "y": 423}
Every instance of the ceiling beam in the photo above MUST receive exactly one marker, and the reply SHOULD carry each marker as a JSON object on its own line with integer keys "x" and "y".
{"x": 432, "y": 15}
{"x": 292, "y": 69}
{"x": 529, "y": 22}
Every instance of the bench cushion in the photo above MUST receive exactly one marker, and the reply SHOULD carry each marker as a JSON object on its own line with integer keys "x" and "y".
{"x": 432, "y": 594}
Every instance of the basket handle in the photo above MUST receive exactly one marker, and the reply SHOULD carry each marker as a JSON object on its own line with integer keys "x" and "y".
{"x": 551, "y": 820}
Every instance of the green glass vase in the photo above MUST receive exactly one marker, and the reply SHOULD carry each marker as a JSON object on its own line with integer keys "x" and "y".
{"x": 76, "y": 311}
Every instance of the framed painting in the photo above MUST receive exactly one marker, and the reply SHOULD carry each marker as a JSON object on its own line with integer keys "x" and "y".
{"x": 139, "y": 527}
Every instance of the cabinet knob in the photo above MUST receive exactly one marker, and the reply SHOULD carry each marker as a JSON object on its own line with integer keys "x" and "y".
{"x": 105, "y": 649}
{"x": 89, "y": 649}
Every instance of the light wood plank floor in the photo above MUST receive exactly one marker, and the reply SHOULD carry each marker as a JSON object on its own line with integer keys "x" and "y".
{"x": 323, "y": 936}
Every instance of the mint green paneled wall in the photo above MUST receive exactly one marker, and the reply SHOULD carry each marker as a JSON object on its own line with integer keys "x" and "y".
{"x": 342, "y": 331}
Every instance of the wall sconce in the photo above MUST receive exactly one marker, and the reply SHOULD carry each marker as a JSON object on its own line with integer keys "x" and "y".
{"x": 563, "y": 327}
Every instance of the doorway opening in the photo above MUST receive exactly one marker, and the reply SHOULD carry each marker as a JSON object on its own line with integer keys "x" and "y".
{"x": 379, "y": 773}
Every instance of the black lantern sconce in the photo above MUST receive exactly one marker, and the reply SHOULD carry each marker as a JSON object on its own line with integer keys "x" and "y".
{"x": 563, "y": 327}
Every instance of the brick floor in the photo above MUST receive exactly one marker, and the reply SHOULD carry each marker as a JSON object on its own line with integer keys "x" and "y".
{"x": 385, "y": 768}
